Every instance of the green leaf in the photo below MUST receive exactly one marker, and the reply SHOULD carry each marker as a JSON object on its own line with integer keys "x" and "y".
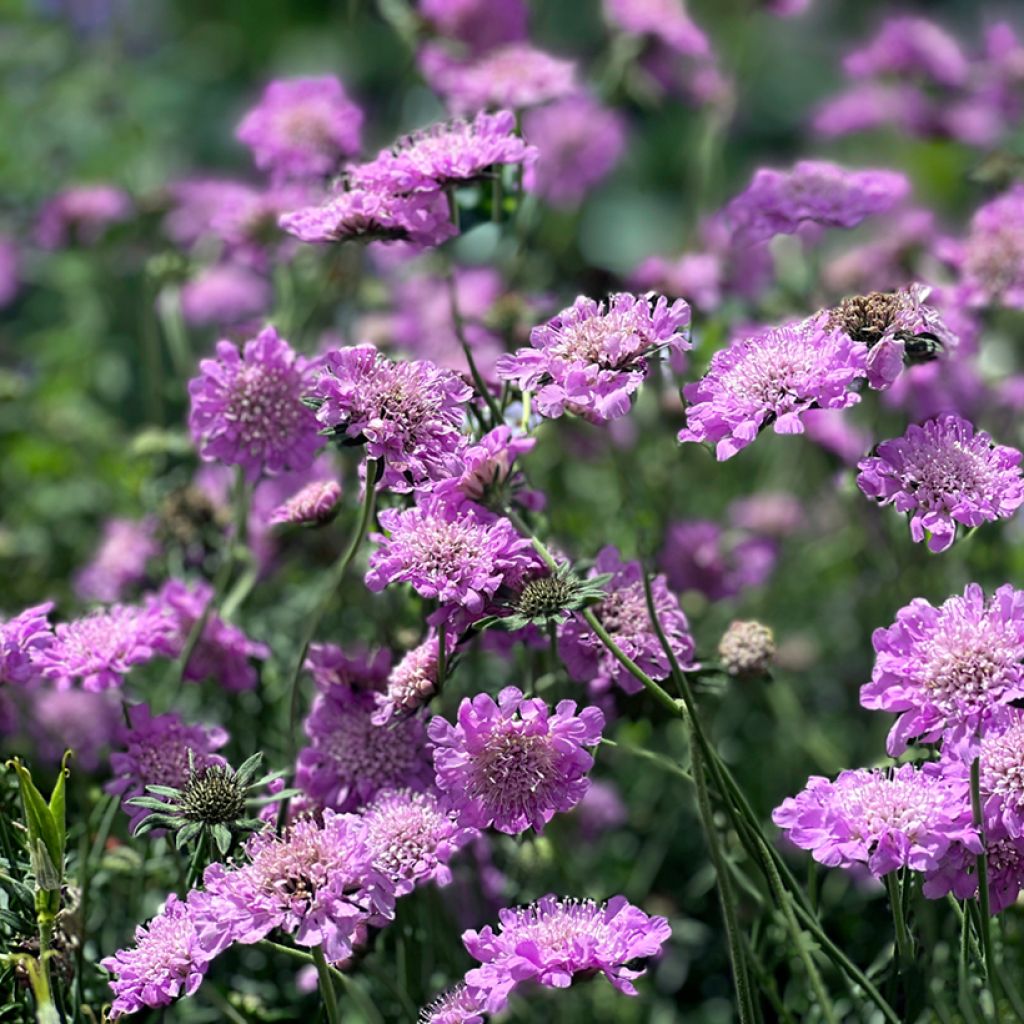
{"x": 38, "y": 817}
{"x": 249, "y": 767}
{"x": 58, "y": 811}
{"x": 222, "y": 837}
{"x": 187, "y": 833}
{"x": 162, "y": 791}
{"x": 149, "y": 802}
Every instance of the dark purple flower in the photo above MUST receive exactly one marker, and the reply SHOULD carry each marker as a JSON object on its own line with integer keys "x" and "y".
{"x": 22, "y": 639}
{"x": 700, "y": 555}
{"x": 119, "y": 562}
{"x": 302, "y": 128}
{"x": 592, "y": 357}
{"x": 943, "y": 473}
{"x": 511, "y": 763}
{"x": 552, "y": 940}
{"x": 247, "y": 407}
{"x": 946, "y": 669}
{"x": 313, "y": 505}
{"x": 771, "y": 379}
{"x": 166, "y": 961}
{"x": 908, "y": 817}
{"x": 408, "y": 414}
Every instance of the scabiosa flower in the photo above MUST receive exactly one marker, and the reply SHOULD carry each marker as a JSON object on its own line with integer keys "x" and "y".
{"x": 412, "y": 836}
{"x": 697, "y": 275}
{"x": 957, "y": 872}
{"x": 317, "y": 882}
{"x": 910, "y": 47}
{"x": 667, "y": 20}
{"x": 247, "y": 407}
{"x": 56, "y": 720}
{"x": 591, "y": 357}
{"x": 313, "y": 505}
{"x": 943, "y": 473}
{"x": 225, "y": 295}
{"x": 488, "y": 474}
{"x": 770, "y": 379}
{"x": 514, "y": 76}
{"x": 625, "y": 616}
{"x": 408, "y": 414}
{"x": 699, "y": 555}
{"x": 908, "y": 817}
{"x": 444, "y": 155}
{"x": 946, "y": 669}
{"x": 554, "y": 939}
{"x": 101, "y": 648}
{"x": 413, "y": 681}
{"x": 991, "y": 260}
{"x": 302, "y": 127}
{"x": 154, "y": 750}
{"x": 223, "y": 652}
{"x": 459, "y": 1005}
{"x": 477, "y": 23}
{"x": 166, "y": 961}
{"x": 747, "y": 649}
{"x": 458, "y": 555}
{"x": 371, "y": 215}
{"x": 350, "y": 758}
{"x": 22, "y": 640}
{"x": 361, "y": 671}
{"x": 579, "y": 142}
{"x": 896, "y": 326}
{"x": 816, "y": 192}
{"x": 81, "y": 214}
{"x": 120, "y": 560}
{"x": 512, "y": 764}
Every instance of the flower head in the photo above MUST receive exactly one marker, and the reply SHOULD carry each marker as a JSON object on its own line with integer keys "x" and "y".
{"x": 413, "y": 681}
{"x": 81, "y": 214}
{"x": 945, "y": 670}
{"x": 943, "y": 473}
{"x": 22, "y": 639}
{"x": 991, "y": 260}
{"x": 747, "y": 649}
{"x": 317, "y": 882}
{"x": 157, "y": 750}
{"x": 770, "y": 379}
{"x": 167, "y": 961}
{"x": 101, "y": 648}
{"x": 247, "y": 407}
{"x": 409, "y": 413}
{"x": 313, "y": 505}
{"x": 957, "y": 872}
{"x": 625, "y": 616}
{"x": 908, "y": 817}
{"x": 120, "y": 560}
{"x": 592, "y": 357}
{"x": 912, "y": 48}
{"x": 411, "y": 837}
{"x": 667, "y": 20}
{"x": 477, "y": 23}
{"x": 302, "y": 127}
{"x": 224, "y": 295}
{"x": 512, "y": 764}
{"x": 488, "y": 474}
{"x": 459, "y": 1005}
{"x": 458, "y": 555}
{"x": 554, "y": 939}
{"x": 56, "y": 720}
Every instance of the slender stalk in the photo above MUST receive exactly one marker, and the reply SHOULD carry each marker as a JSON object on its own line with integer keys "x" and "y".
{"x": 460, "y": 332}
{"x": 984, "y": 905}
{"x": 326, "y": 982}
{"x": 334, "y": 579}
{"x": 664, "y": 763}
{"x": 904, "y": 946}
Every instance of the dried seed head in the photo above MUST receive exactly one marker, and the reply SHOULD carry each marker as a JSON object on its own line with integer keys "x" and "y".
{"x": 747, "y": 649}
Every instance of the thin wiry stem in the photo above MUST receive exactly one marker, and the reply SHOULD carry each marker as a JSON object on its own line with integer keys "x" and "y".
{"x": 326, "y": 983}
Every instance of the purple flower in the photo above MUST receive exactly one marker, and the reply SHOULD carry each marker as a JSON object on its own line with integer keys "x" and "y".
{"x": 412, "y": 836}
{"x": 457, "y": 555}
{"x": 991, "y": 260}
{"x": 451, "y": 154}
{"x": 957, "y": 872}
{"x": 488, "y": 475}
{"x": 625, "y": 616}
{"x": 56, "y": 720}
{"x": 413, "y": 681}
{"x": 666, "y": 20}
{"x": 358, "y": 214}
{"x": 697, "y": 275}
{"x": 768, "y": 514}
{"x": 477, "y": 23}
{"x": 908, "y": 817}
{"x": 120, "y": 560}
{"x": 302, "y": 128}
{"x": 771, "y": 379}
{"x": 350, "y": 758}
{"x": 591, "y": 358}
{"x": 154, "y": 751}
{"x": 512, "y": 764}
{"x": 314, "y": 505}
{"x": 23, "y": 638}
{"x": 946, "y": 669}
{"x": 699, "y": 555}
{"x": 868, "y": 105}
{"x": 166, "y": 961}
{"x": 459, "y": 1005}
{"x": 816, "y": 192}
{"x": 579, "y": 142}
{"x": 223, "y": 652}
{"x": 362, "y": 672}
{"x": 896, "y": 326}
{"x": 514, "y": 76}
{"x": 943, "y": 473}
{"x": 101, "y": 648}
{"x": 317, "y": 882}
{"x": 247, "y": 407}
{"x": 553, "y": 939}
{"x": 408, "y": 414}
{"x": 601, "y": 810}
{"x": 224, "y": 295}
{"x": 81, "y": 214}
{"x": 912, "y": 48}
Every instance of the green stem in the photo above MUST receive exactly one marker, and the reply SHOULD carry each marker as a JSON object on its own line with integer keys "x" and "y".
{"x": 664, "y": 763}
{"x": 334, "y": 580}
{"x": 460, "y": 332}
{"x": 904, "y": 945}
{"x": 984, "y": 905}
{"x": 327, "y": 993}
